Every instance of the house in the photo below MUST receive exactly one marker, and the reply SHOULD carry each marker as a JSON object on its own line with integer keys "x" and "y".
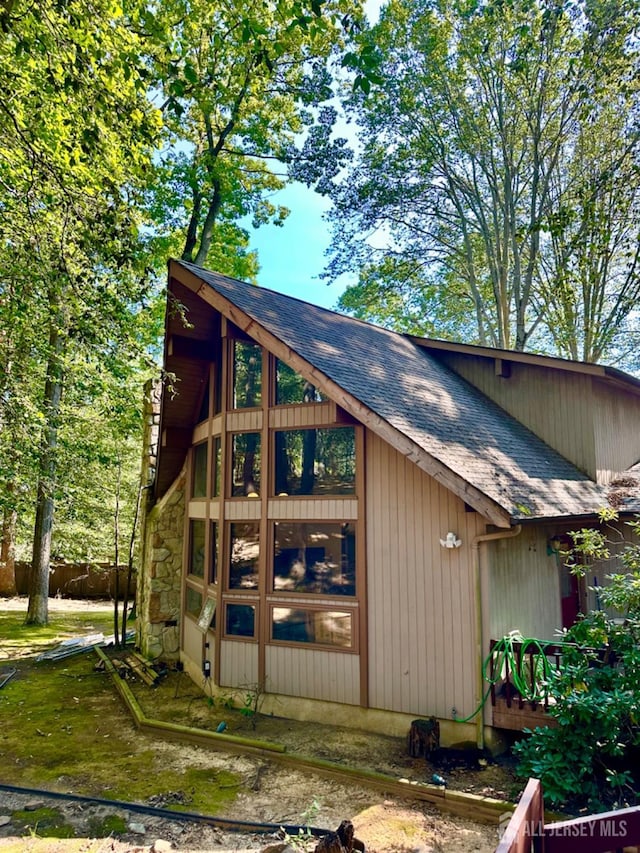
{"x": 345, "y": 517}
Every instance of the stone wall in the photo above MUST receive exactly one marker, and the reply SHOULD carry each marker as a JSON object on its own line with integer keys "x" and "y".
{"x": 162, "y": 533}
{"x": 160, "y": 584}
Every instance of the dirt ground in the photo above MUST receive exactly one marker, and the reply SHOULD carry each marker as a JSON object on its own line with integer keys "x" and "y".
{"x": 274, "y": 794}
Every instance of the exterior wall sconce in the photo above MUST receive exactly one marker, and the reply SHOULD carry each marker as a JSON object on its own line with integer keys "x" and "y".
{"x": 451, "y": 541}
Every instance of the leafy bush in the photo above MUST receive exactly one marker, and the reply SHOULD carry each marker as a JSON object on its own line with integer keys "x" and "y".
{"x": 595, "y": 694}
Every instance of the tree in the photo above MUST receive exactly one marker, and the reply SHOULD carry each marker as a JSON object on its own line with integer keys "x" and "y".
{"x": 237, "y": 85}
{"x": 76, "y": 133}
{"x": 499, "y": 164}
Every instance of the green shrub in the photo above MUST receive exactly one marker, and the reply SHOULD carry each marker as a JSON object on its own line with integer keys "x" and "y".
{"x": 589, "y": 756}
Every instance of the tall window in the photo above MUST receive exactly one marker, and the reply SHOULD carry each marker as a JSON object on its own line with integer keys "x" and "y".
{"x": 245, "y": 555}
{"x": 215, "y": 552}
{"x": 216, "y": 486}
{"x": 196, "y": 547}
{"x": 246, "y": 465}
{"x": 314, "y": 557}
{"x": 247, "y": 375}
{"x": 292, "y": 388}
{"x": 315, "y": 461}
{"x": 199, "y": 483}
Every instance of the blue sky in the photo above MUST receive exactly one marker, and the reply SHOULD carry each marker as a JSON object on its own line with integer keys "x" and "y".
{"x": 292, "y": 256}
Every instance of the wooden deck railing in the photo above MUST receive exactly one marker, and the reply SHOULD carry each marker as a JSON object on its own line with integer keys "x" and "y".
{"x": 526, "y": 832}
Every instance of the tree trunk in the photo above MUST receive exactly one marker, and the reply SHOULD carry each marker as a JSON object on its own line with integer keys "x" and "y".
{"x": 7, "y": 553}
{"x": 38, "y": 611}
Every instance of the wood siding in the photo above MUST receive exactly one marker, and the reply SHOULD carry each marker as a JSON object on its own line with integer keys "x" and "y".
{"x": 556, "y": 406}
{"x": 617, "y": 430}
{"x": 309, "y": 509}
{"x": 289, "y": 417}
{"x": 313, "y": 674}
{"x": 521, "y": 585}
{"x": 422, "y": 656}
{"x": 193, "y": 641}
{"x": 243, "y": 510}
{"x": 244, "y": 421}
{"x": 238, "y": 664}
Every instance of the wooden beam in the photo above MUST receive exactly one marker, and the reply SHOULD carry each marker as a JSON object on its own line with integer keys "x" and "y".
{"x": 482, "y": 503}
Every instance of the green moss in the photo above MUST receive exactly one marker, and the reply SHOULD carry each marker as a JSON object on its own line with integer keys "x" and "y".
{"x": 109, "y": 825}
{"x": 44, "y": 822}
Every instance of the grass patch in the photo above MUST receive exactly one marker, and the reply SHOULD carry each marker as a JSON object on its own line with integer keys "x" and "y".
{"x": 65, "y": 727}
{"x": 20, "y": 640}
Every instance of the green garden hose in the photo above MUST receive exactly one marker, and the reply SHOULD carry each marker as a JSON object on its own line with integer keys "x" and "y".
{"x": 531, "y": 689}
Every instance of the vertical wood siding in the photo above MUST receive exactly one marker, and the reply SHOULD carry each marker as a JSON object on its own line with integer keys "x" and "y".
{"x": 296, "y": 416}
{"x": 242, "y": 510}
{"x": 313, "y": 674}
{"x": 238, "y": 664}
{"x": 192, "y": 644}
{"x": 421, "y": 611}
{"x": 522, "y": 586}
{"x": 617, "y": 428}
{"x": 308, "y": 509}
{"x": 244, "y": 421}
{"x": 557, "y": 406}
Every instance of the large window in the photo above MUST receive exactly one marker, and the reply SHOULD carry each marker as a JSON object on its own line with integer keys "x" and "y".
{"x": 320, "y": 627}
{"x": 292, "y": 388}
{"x": 199, "y": 482}
{"x": 196, "y": 547}
{"x": 245, "y": 463}
{"x": 245, "y": 555}
{"x": 247, "y": 375}
{"x": 315, "y": 461}
{"x": 314, "y": 557}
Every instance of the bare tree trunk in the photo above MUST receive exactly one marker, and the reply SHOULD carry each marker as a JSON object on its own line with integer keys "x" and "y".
{"x": 7, "y": 553}
{"x": 116, "y": 554}
{"x": 38, "y": 612}
{"x": 132, "y": 544}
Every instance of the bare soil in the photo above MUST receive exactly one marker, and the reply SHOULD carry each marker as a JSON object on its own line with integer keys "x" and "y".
{"x": 273, "y": 794}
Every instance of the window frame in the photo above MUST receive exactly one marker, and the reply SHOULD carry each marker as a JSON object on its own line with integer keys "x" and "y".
{"x": 353, "y": 612}
{"x": 295, "y": 595}
{"x": 242, "y": 602}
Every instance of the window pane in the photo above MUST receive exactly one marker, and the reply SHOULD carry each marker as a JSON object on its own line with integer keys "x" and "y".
{"x": 292, "y": 388}
{"x": 246, "y": 465}
{"x": 315, "y": 558}
{"x": 203, "y": 414}
{"x": 245, "y": 552}
{"x": 316, "y": 461}
{"x": 247, "y": 375}
{"x": 193, "y": 602}
{"x": 196, "y": 548}
{"x": 217, "y": 470}
{"x": 323, "y": 627}
{"x": 199, "y": 485}
{"x": 215, "y": 553}
{"x": 241, "y": 620}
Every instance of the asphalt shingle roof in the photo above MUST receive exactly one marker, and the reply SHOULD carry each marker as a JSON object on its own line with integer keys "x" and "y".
{"x": 424, "y": 400}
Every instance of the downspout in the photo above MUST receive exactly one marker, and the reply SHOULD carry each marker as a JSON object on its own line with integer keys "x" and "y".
{"x": 475, "y": 550}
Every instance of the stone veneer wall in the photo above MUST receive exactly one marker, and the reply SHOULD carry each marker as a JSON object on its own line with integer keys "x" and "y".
{"x": 162, "y": 533}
